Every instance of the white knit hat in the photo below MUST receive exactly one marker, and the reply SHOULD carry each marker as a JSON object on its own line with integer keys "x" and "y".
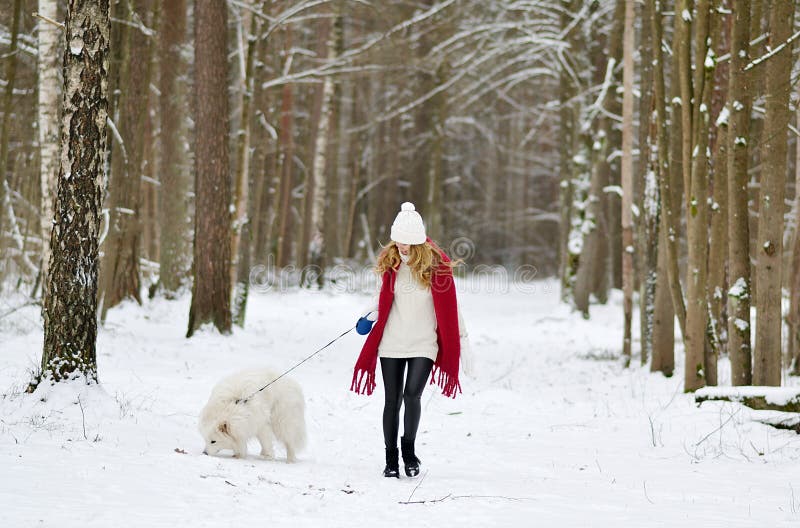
{"x": 408, "y": 227}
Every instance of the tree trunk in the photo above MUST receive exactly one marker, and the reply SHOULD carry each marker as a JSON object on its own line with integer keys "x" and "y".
{"x": 11, "y": 75}
{"x": 172, "y": 201}
{"x": 286, "y": 165}
{"x": 594, "y": 272}
{"x": 568, "y": 257}
{"x": 70, "y": 324}
{"x": 668, "y": 177}
{"x": 718, "y": 235}
{"x": 240, "y": 273}
{"x": 767, "y": 354}
{"x": 739, "y": 348}
{"x": 695, "y": 373}
{"x": 647, "y": 196}
{"x": 309, "y": 189}
{"x": 317, "y": 249}
{"x": 627, "y": 178}
{"x": 48, "y": 71}
{"x": 211, "y": 289}
{"x": 119, "y": 272}
{"x": 793, "y": 317}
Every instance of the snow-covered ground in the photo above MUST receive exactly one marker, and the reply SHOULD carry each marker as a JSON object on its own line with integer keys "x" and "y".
{"x": 551, "y": 431}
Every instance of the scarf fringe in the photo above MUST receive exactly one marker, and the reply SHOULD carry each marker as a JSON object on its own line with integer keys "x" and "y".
{"x": 447, "y": 382}
{"x": 363, "y": 381}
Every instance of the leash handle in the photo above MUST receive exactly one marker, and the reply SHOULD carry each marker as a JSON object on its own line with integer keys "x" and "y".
{"x": 332, "y": 341}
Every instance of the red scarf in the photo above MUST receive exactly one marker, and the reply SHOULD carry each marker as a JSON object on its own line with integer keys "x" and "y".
{"x": 445, "y": 368}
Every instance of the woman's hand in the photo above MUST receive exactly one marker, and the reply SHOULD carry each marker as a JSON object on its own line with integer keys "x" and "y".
{"x": 364, "y": 324}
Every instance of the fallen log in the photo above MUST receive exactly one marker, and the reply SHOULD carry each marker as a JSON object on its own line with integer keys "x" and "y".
{"x": 786, "y": 399}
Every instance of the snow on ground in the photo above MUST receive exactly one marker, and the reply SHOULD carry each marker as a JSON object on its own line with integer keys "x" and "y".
{"x": 552, "y": 431}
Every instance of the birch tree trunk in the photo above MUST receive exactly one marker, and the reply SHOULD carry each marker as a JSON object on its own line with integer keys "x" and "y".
{"x": 172, "y": 194}
{"x": 627, "y": 177}
{"x": 739, "y": 348}
{"x": 211, "y": 289}
{"x": 286, "y": 165}
{"x": 48, "y": 71}
{"x": 317, "y": 249}
{"x": 309, "y": 188}
{"x": 769, "y": 344}
{"x": 70, "y": 306}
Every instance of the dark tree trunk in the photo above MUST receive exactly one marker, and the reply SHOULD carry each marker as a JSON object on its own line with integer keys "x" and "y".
{"x": 11, "y": 74}
{"x": 120, "y": 278}
{"x": 172, "y": 193}
{"x": 211, "y": 297}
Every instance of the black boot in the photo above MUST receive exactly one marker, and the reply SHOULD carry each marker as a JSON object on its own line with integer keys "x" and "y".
{"x": 409, "y": 458}
{"x": 392, "y": 468}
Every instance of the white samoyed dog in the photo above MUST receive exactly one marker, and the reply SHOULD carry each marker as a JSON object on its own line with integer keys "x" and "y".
{"x": 228, "y": 421}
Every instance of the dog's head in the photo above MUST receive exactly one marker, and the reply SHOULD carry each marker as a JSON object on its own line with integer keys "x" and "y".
{"x": 218, "y": 437}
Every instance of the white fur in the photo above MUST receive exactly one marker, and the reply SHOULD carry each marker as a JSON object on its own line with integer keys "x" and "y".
{"x": 277, "y": 412}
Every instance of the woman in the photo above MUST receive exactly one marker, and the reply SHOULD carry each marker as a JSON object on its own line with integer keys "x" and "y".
{"x": 417, "y": 328}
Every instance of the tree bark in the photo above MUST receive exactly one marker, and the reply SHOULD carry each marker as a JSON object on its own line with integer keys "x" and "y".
{"x": 793, "y": 317}
{"x": 70, "y": 324}
{"x": 647, "y": 197}
{"x": 320, "y": 202}
{"x": 669, "y": 178}
{"x": 11, "y": 75}
{"x": 769, "y": 344}
{"x": 718, "y": 235}
{"x": 48, "y": 71}
{"x": 593, "y": 275}
{"x": 568, "y": 258}
{"x": 119, "y": 272}
{"x": 172, "y": 200}
{"x": 695, "y": 373}
{"x": 240, "y": 273}
{"x": 286, "y": 140}
{"x": 739, "y": 348}
{"x": 627, "y": 178}
{"x": 211, "y": 289}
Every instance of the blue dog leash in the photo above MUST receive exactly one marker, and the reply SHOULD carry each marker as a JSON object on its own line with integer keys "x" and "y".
{"x": 245, "y": 400}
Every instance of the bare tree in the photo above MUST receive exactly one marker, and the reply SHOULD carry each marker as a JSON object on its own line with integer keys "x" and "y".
{"x": 172, "y": 194}
{"x": 70, "y": 324}
{"x": 11, "y": 74}
{"x": 211, "y": 297}
{"x": 769, "y": 344}
{"x": 668, "y": 177}
{"x": 696, "y": 97}
{"x": 739, "y": 348}
{"x": 48, "y": 71}
{"x": 240, "y": 240}
{"x": 120, "y": 276}
{"x": 627, "y": 178}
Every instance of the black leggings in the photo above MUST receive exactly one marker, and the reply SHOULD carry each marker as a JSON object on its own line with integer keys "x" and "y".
{"x": 392, "y": 369}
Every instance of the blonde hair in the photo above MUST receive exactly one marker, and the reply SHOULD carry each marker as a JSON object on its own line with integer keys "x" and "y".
{"x": 423, "y": 259}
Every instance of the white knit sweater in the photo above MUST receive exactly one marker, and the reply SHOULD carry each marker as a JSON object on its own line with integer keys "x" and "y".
{"x": 411, "y": 328}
